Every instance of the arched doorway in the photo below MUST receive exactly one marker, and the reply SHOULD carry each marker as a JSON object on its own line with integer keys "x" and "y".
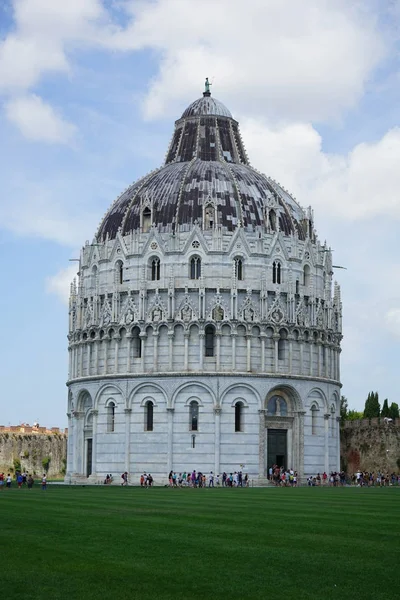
{"x": 281, "y": 431}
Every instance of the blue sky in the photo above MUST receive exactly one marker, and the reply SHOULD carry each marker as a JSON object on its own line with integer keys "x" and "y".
{"x": 89, "y": 91}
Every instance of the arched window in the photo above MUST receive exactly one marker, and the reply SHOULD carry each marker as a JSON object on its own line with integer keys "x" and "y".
{"x": 272, "y": 220}
{"x": 209, "y": 217}
{"x": 195, "y": 267}
{"x": 110, "y": 417}
{"x": 276, "y": 272}
{"x": 239, "y": 269}
{"x": 281, "y": 349}
{"x": 146, "y": 219}
{"x": 94, "y": 277}
{"x": 136, "y": 343}
{"x": 209, "y": 340}
{"x": 239, "y": 416}
{"x": 306, "y": 275}
{"x": 119, "y": 272}
{"x": 314, "y": 414}
{"x": 148, "y": 415}
{"x": 155, "y": 269}
{"x": 194, "y": 416}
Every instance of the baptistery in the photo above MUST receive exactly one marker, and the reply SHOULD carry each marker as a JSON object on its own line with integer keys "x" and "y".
{"x": 204, "y": 328}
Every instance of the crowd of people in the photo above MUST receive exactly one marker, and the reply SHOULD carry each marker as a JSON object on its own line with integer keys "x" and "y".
{"x": 371, "y": 479}
{"x": 197, "y": 479}
{"x": 22, "y": 480}
{"x": 282, "y": 477}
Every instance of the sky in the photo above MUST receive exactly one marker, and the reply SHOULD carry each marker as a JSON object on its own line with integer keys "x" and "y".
{"x": 89, "y": 91}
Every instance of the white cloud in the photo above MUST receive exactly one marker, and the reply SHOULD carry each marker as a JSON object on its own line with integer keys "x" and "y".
{"x": 45, "y": 30}
{"x": 306, "y": 60}
{"x": 392, "y": 320}
{"x": 38, "y": 121}
{"x": 59, "y": 284}
{"x": 359, "y": 185}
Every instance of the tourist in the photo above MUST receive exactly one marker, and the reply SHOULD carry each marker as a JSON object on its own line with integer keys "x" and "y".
{"x": 211, "y": 480}
{"x": 124, "y": 478}
{"x": 8, "y": 481}
{"x": 20, "y": 479}
{"x": 30, "y": 482}
{"x": 44, "y": 482}
{"x": 1, "y": 481}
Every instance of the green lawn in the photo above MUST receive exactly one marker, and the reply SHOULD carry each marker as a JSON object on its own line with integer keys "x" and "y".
{"x": 114, "y": 542}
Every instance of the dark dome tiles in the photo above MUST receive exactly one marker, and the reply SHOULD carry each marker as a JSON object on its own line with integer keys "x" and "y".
{"x": 206, "y": 106}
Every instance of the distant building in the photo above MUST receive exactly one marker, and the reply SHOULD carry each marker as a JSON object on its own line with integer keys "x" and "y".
{"x": 204, "y": 332}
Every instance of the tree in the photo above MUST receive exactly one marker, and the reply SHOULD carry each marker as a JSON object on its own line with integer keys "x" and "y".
{"x": 385, "y": 408}
{"x": 354, "y": 415}
{"x": 46, "y": 463}
{"x": 344, "y": 407}
{"x": 372, "y": 407}
{"x": 394, "y": 411}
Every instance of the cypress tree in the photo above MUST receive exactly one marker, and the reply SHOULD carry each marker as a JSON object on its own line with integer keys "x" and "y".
{"x": 372, "y": 407}
{"x": 393, "y": 411}
{"x": 385, "y": 409}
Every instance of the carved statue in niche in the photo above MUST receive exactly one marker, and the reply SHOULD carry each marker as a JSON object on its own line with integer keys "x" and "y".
{"x": 218, "y": 313}
{"x": 186, "y": 313}
{"x": 106, "y": 320}
{"x": 248, "y": 314}
{"x": 157, "y": 314}
{"x": 88, "y": 315}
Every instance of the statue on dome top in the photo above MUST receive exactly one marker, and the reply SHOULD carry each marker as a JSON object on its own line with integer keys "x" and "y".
{"x": 207, "y": 85}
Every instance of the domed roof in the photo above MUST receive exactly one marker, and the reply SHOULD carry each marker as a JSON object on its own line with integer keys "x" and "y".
{"x": 206, "y": 164}
{"x": 206, "y": 106}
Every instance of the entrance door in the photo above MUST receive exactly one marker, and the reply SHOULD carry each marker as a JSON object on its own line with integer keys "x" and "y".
{"x": 277, "y": 447}
{"x": 89, "y": 452}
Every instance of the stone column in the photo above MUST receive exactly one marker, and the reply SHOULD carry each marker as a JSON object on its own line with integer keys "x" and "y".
{"x": 311, "y": 357}
{"x": 276, "y": 338}
{"x": 170, "y": 458}
{"x": 217, "y": 442}
{"x": 301, "y": 356}
{"x": 171, "y": 349}
{"x": 186, "y": 351}
{"x": 89, "y": 357}
{"x": 143, "y": 336}
{"x": 290, "y": 356}
{"x": 128, "y": 350}
{"x": 81, "y": 360}
{"x": 248, "y": 357}
{"x": 201, "y": 349}
{"x": 69, "y": 363}
{"x": 155, "y": 351}
{"x": 337, "y": 443}
{"x": 70, "y": 446}
{"x": 326, "y": 442}
{"x": 319, "y": 359}
{"x": 218, "y": 357}
{"x": 300, "y": 468}
{"x": 289, "y": 461}
{"x": 233, "y": 337}
{"x": 116, "y": 355}
{"x": 96, "y": 357}
{"x": 79, "y": 444}
{"x": 127, "y": 412}
{"x": 94, "y": 442}
{"x": 105, "y": 356}
{"x": 261, "y": 444}
{"x": 262, "y": 336}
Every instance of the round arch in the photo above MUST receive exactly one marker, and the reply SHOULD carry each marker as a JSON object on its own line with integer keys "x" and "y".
{"x": 107, "y": 386}
{"x": 238, "y": 387}
{"x": 288, "y": 393}
{"x": 146, "y": 384}
{"x": 199, "y": 384}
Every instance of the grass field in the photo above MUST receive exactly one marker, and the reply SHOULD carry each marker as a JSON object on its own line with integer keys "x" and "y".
{"x": 114, "y": 542}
